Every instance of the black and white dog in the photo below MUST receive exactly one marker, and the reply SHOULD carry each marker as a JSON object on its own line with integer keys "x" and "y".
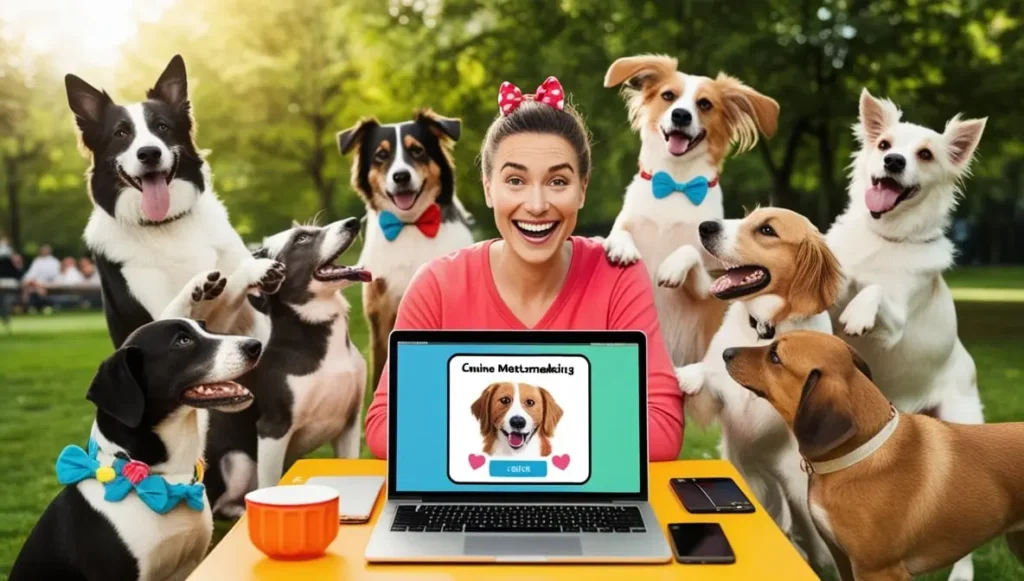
{"x": 406, "y": 176}
{"x": 157, "y": 229}
{"x": 132, "y": 507}
{"x": 310, "y": 382}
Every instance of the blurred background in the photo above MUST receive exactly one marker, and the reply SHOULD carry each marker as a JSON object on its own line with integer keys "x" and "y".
{"x": 273, "y": 81}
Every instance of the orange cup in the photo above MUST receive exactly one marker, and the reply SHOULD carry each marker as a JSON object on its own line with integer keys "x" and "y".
{"x": 292, "y": 522}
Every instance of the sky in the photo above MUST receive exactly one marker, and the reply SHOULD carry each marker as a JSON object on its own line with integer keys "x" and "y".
{"x": 77, "y": 34}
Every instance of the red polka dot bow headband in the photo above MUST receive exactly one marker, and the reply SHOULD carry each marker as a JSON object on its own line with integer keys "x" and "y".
{"x": 549, "y": 92}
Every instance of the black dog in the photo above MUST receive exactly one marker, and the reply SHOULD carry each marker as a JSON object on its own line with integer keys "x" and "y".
{"x": 311, "y": 380}
{"x": 132, "y": 507}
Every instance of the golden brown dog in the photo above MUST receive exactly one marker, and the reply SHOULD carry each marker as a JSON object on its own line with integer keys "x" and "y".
{"x": 893, "y": 494}
{"x": 516, "y": 419}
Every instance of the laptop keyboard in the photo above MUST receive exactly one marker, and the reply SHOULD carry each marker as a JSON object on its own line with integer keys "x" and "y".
{"x": 453, "y": 518}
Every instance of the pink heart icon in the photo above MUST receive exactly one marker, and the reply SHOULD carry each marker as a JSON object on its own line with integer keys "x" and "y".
{"x": 560, "y": 462}
{"x": 476, "y": 461}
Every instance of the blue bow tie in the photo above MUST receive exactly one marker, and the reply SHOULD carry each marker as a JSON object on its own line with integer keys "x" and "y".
{"x": 428, "y": 223}
{"x": 663, "y": 186}
{"x": 75, "y": 465}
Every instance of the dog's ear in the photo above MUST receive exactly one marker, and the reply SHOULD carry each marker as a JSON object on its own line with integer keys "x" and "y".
{"x": 86, "y": 101}
{"x": 876, "y": 115}
{"x": 747, "y": 112}
{"x": 817, "y": 278}
{"x": 552, "y": 413}
{"x": 443, "y": 127}
{"x": 824, "y": 419}
{"x": 639, "y": 70}
{"x": 117, "y": 387}
{"x": 962, "y": 138}
{"x": 859, "y": 362}
{"x": 481, "y": 408}
{"x": 352, "y": 136}
{"x": 172, "y": 86}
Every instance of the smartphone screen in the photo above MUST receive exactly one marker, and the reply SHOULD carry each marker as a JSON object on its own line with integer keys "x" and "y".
{"x": 700, "y": 543}
{"x": 711, "y": 495}
{"x": 723, "y": 492}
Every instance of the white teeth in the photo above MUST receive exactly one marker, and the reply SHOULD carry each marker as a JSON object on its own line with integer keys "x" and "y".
{"x": 535, "y": 226}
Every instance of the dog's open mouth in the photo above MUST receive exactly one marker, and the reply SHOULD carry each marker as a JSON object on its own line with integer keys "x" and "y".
{"x": 536, "y": 231}
{"x": 516, "y": 440}
{"x": 155, "y": 188}
{"x": 679, "y": 143}
{"x": 887, "y": 193}
{"x": 216, "y": 395}
{"x": 330, "y": 272}
{"x": 740, "y": 281}
{"x": 405, "y": 199}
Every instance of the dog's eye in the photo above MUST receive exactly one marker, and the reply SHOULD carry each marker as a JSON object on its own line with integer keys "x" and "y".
{"x": 925, "y": 155}
{"x": 704, "y": 104}
{"x": 163, "y": 128}
{"x": 505, "y": 400}
{"x": 120, "y": 134}
{"x": 416, "y": 151}
{"x": 773, "y": 356}
{"x": 529, "y": 403}
{"x": 884, "y": 145}
{"x": 302, "y": 238}
{"x": 381, "y": 155}
{"x": 183, "y": 341}
{"x": 668, "y": 96}
{"x": 767, "y": 230}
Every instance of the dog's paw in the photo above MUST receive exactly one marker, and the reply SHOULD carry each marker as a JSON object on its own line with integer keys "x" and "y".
{"x": 691, "y": 378}
{"x": 265, "y": 275}
{"x": 207, "y": 287}
{"x": 963, "y": 570}
{"x": 673, "y": 271}
{"x": 860, "y": 315}
{"x": 620, "y": 249}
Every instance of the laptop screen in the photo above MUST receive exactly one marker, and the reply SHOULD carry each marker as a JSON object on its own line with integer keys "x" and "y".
{"x": 513, "y": 412}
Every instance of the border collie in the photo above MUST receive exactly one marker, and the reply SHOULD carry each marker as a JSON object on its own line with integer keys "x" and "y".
{"x": 687, "y": 124}
{"x": 897, "y": 311}
{"x": 157, "y": 229}
{"x": 311, "y": 380}
{"x": 406, "y": 176}
{"x": 152, "y": 397}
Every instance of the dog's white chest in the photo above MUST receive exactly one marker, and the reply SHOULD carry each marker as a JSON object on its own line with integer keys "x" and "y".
{"x": 161, "y": 544}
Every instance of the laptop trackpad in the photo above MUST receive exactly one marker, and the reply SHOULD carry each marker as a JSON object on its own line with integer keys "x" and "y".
{"x": 522, "y": 544}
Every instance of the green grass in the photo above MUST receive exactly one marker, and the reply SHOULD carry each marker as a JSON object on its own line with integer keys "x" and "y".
{"x": 47, "y": 362}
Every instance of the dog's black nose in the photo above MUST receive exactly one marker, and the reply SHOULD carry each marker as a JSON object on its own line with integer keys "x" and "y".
{"x": 252, "y": 349}
{"x": 401, "y": 176}
{"x": 729, "y": 353}
{"x": 517, "y": 422}
{"x": 709, "y": 229}
{"x": 681, "y": 118}
{"x": 148, "y": 155}
{"x": 894, "y": 163}
{"x": 350, "y": 224}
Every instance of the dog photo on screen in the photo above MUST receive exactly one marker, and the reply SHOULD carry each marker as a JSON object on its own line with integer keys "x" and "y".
{"x": 517, "y": 419}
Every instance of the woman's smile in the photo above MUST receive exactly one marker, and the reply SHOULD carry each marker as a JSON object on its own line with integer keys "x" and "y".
{"x": 536, "y": 231}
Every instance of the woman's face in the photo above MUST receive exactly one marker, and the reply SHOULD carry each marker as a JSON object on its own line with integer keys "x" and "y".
{"x": 536, "y": 192}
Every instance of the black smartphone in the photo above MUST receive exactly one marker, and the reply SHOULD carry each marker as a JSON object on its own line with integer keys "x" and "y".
{"x": 711, "y": 495}
{"x": 700, "y": 543}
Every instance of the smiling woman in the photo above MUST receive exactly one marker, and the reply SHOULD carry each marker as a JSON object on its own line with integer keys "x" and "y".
{"x": 535, "y": 161}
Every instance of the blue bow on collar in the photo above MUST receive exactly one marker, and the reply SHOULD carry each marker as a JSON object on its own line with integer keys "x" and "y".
{"x": 75, "y": 465}
{"x": 662, "y": 185}
{"x": 390, "y": 224}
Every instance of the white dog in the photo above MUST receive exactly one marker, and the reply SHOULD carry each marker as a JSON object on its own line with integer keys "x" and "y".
{"x": 897, "y": 311}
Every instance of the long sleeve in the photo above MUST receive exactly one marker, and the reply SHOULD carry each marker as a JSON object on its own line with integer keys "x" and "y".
{"x": 420, "y": 309}
{"x": 632, "y": 307}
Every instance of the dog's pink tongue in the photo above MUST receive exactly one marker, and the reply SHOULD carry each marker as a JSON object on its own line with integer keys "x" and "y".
{"x": 678, "y": 143}
{"x": 156, "y": 198}
{"x": 881, "y": 198}
{"x": 404, "y": 201}
{"x": 515, "y": 440}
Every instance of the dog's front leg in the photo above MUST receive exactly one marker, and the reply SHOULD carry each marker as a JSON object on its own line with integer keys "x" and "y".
{"x": 619, "y": 246}
{"x": 691, "y": 378}
{"x": 872, "y": 311}
{"x": 704, "y": 399}
{"x": 204, "y": 287}
{"x": 894, "y": 573}
{"x": 262, "y": 275}
{"x": 685, "y": 268}
{"x": 271, "y": 450}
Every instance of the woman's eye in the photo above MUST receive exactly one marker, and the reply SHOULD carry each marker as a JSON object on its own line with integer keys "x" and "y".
{"x": 514, "y": 181}
{"x": 559, "y": 182}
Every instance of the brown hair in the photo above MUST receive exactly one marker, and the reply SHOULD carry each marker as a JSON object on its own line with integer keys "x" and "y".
{"x": 534, "y": 117}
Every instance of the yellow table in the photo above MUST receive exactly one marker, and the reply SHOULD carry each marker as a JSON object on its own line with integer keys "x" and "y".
{"x": 762, "y": 551}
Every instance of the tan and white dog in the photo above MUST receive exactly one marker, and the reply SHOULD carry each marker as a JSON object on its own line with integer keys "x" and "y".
{"x": 894, "y": 494}
{"x": 687, "y": 124}
{"x": 516, "y": 419}
{"x": 897, "y": 310}
{"x": 781, "y": 276}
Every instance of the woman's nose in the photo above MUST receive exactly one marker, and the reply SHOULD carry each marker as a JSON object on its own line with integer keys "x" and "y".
{"x": 537, "y": 203}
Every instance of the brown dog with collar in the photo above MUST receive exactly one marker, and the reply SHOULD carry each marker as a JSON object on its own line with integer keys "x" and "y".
{"x": 893, "y": 494}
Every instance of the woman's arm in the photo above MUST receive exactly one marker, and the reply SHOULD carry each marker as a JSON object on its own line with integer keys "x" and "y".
{"x": 420, "y": 309}
{"x": 632, "y": 307}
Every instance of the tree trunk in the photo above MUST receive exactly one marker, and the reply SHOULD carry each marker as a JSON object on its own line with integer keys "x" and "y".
{"x": 782, "y": 174}
{"x": 827, "y": 167}
{"x": 315, "y": 166}
{"x": 13, "y": 201}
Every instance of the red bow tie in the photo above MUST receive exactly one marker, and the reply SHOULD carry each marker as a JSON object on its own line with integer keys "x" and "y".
{"x": 429, "y": 223}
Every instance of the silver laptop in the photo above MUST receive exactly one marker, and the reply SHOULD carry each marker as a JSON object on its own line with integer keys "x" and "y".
{"x": 517, "y": 446}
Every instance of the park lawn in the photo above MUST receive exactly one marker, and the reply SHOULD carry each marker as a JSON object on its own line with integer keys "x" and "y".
{"x": 47, "y": 363}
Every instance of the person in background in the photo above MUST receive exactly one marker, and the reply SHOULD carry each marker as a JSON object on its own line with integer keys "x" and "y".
{"x": 5, "y": 248}
{"x": 538, "y": 275}
{"x": 45, "y": 269}
{"x": 90, "y": 276}
{"x": 69, "y": 274}
{"x": 12, "y": 268}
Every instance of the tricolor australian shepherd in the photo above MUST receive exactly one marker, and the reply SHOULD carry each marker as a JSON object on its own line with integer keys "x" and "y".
{"x": 406, "y": 176}
{"x": 157, "y": 230}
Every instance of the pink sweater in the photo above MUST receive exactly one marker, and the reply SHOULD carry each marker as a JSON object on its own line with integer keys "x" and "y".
{"x": 458, "y": 292}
